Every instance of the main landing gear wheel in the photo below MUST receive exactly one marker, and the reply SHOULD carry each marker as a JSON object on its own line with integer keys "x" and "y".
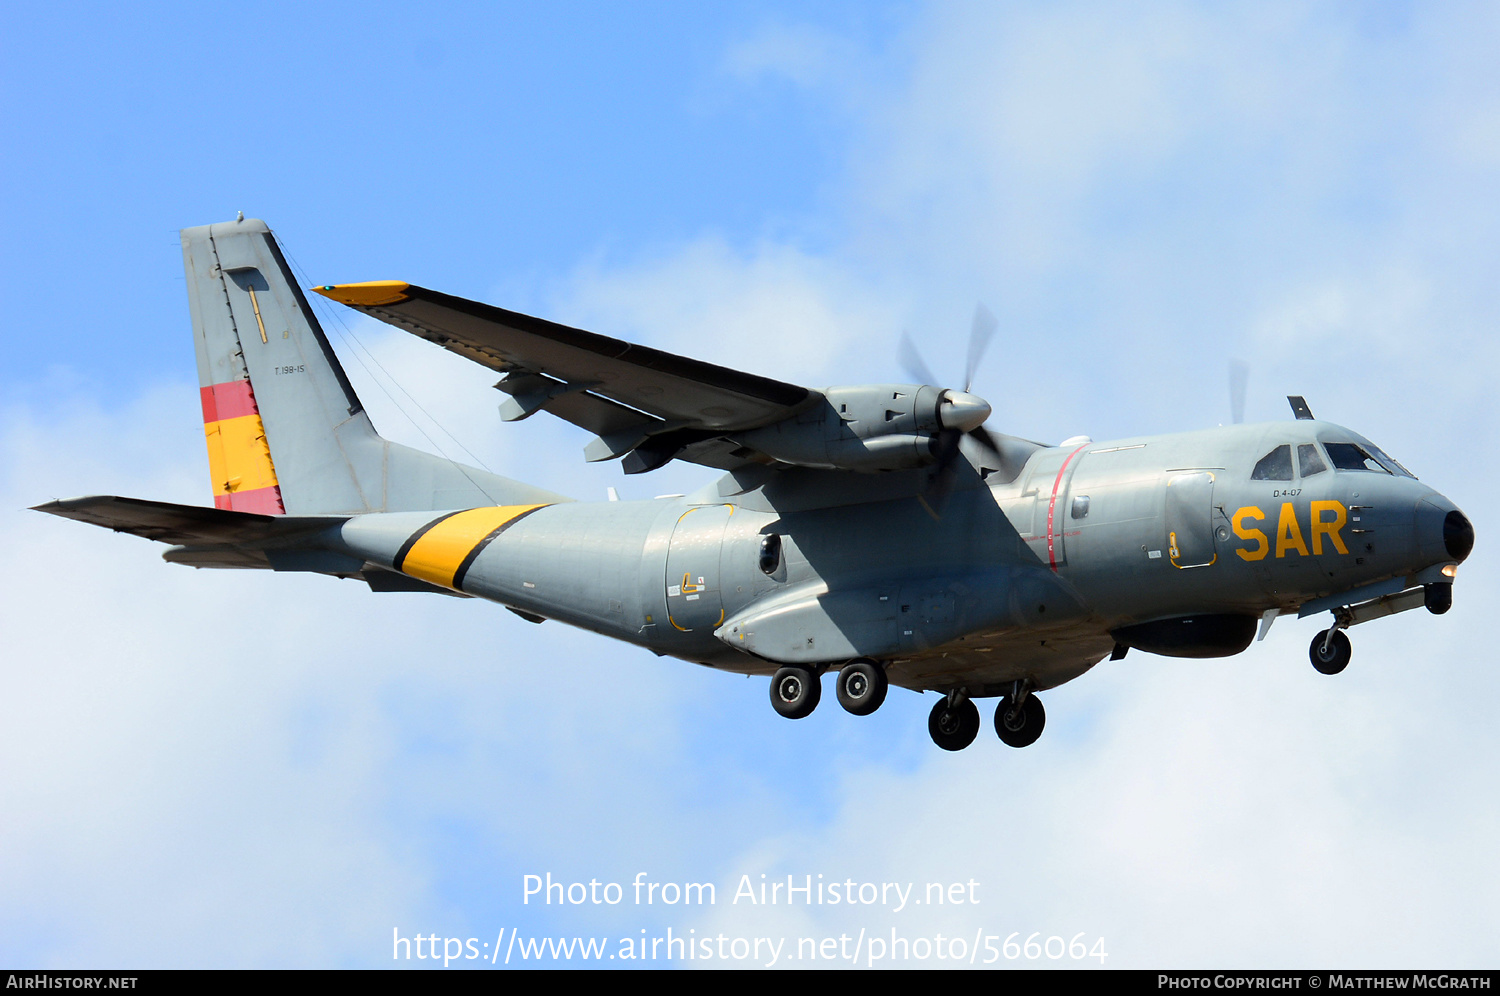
{"x": 862, "y": 686}
{"x": 1330, "y": 653}
{"x": 953, "y": 727}
{"x": 795, "y": 692}
{"x": 1020, "y": 726}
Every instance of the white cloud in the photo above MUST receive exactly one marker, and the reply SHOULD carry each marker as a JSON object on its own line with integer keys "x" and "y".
{"x": 1152, "y": 191}
{"x": 773, "y": 309}
{"x": 801, "y": 53}
{"x": 1385, "y": 314}
{"x": 1194, "y": 814}
{"x": 225, "y": 768}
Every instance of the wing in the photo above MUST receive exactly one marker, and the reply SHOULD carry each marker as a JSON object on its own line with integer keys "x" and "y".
{"x": 654, "y": 406}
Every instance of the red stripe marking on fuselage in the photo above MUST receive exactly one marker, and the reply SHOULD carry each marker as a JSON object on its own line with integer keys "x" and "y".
{"x": 1052, "y": 507}
{"x": 228, "y": 400}
{"x": 266, "y": 501}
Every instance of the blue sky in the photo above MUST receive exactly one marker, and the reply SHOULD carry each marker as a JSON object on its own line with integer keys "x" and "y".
{"x": 206, "y": 768}
{"x": 484, "y": 140}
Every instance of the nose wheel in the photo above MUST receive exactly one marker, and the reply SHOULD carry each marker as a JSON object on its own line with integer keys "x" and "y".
{"x": 795, "y": 692}
{"x": 954, "y": 722}
{"x": 1330, "y": 651}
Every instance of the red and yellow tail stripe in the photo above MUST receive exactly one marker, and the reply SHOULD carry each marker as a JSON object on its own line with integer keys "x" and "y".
{"x": 442, "y": 551}
{"x": 239, "y": 458}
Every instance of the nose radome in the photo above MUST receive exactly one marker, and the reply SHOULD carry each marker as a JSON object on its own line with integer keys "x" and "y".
{"x": 1443, "y": 532}
{"x": 1458, "y": 535}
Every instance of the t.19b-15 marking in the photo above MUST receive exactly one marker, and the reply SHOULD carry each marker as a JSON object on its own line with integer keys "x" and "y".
{"x": 879, "y": 533}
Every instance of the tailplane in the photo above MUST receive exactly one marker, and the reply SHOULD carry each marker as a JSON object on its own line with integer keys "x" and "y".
{"x": 286, "y": 433}
{"x": 231, "y": 538}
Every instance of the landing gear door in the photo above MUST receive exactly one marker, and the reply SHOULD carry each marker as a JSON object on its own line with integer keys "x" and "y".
{"x": 694, "y": 596}
{"x": 1190, "y": 519}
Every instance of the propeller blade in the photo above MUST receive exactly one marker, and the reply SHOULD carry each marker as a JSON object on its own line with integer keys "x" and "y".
{"x": 945, "y": 475}
{"x": 947, "y": 448}
{"x": 983, "y": 330}
{"x": 911, "y": 361}
{"x": 1239, "y": 379}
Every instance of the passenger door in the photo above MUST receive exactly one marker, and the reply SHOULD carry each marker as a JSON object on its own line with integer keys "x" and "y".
{"x": 1190, "y": 519}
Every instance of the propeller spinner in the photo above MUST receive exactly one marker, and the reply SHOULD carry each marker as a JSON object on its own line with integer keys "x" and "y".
{"x": 961, "y": 413}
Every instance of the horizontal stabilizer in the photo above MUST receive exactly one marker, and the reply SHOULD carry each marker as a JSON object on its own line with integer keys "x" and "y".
{"x": 186, "y": 525}
{"x": 227, "y": 539}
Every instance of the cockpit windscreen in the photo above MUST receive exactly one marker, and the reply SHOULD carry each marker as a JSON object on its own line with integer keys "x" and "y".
{"x": 1353, "y": 456}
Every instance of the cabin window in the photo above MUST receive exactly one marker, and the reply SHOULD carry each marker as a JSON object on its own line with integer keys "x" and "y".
{"x": 770, "y": 553}
{"x": 1080, "y": 507}
{"x": 1309, "y": 460}
{"x": 1274, "y": 466}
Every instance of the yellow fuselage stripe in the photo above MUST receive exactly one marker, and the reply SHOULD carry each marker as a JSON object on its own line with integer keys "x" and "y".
{"x": 437, "y": 555}
{"x": 238, "y": 457}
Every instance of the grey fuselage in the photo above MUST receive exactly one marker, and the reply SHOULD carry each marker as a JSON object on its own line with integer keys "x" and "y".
{"x": 1037, "y": 577}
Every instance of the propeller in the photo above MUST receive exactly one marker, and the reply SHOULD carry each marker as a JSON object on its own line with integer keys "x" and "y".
{"x": 980, "y": 335}
{"x": 1239, "y": 379}
{"x": 959, "y": 410}
{"x": 911, "y": 361}
{"x": 960, "y": 413}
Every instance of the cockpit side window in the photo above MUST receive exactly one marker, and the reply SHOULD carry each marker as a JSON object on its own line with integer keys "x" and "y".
{"x": 1309, "y": 461}
{"x": 1274, "y": 466}
{"x": 1352, "y": 456}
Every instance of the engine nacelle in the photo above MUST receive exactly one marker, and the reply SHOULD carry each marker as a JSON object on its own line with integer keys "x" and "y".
{"x": 870, "y": 428}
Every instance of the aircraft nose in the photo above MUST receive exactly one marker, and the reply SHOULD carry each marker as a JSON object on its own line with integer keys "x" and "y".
{"x": 1443, "y": 531}
{"x": 1458, "y": 535}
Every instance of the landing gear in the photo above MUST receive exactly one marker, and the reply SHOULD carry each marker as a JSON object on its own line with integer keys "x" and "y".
{"x": 1019, "y": 717}
{"x": 862, "y": 686}
{"x": 1330, "y": 651}
{"x": 954, "y": 722}
{"x": 795, "y": 692}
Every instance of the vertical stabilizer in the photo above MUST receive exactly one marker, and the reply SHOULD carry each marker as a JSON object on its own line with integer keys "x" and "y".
{"x": 285, "y": 431}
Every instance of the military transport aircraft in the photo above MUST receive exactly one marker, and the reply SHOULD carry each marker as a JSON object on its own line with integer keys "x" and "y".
{"x": 879, "y": 532}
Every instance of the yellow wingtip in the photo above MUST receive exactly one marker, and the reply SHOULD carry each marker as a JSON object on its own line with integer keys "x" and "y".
{"x": 366, "y": 295}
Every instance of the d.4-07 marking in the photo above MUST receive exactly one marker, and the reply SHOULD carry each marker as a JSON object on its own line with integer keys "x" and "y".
{"x": 1289, "y": 531}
